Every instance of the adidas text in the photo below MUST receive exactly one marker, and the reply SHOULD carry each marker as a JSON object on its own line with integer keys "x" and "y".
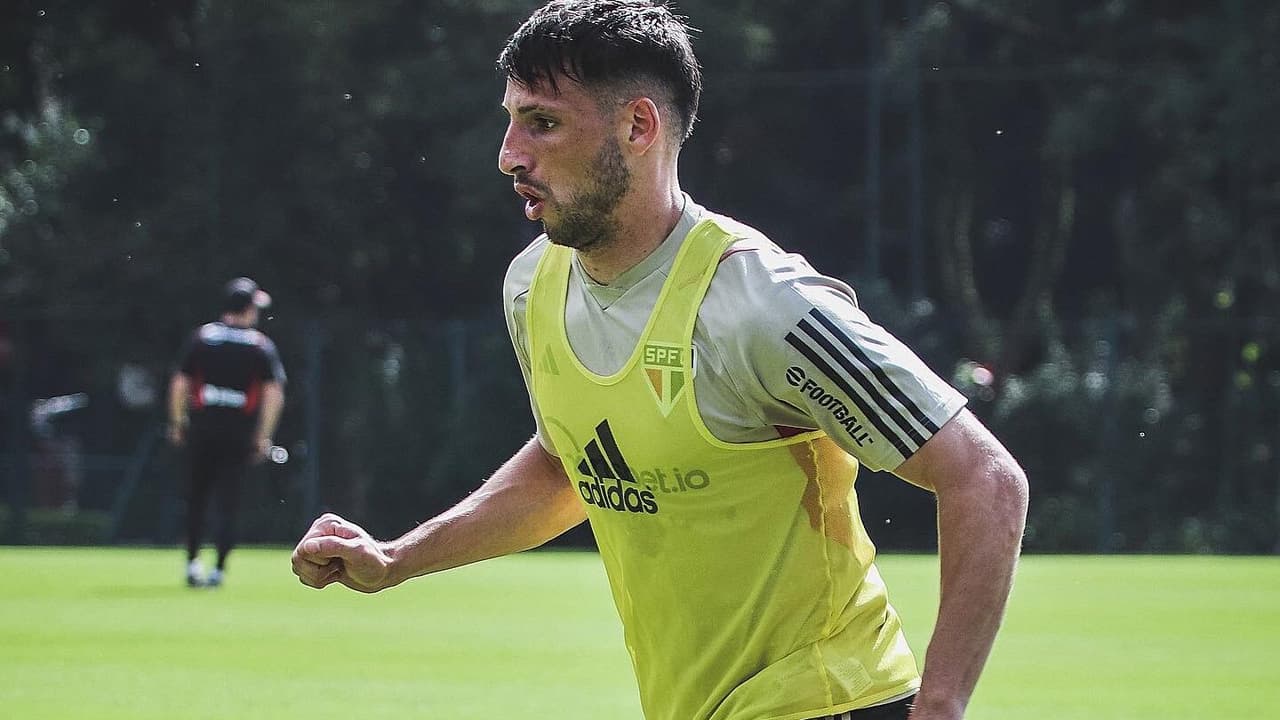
{"x": 615, "y": 496}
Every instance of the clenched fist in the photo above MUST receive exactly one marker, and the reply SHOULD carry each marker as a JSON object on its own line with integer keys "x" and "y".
{"x": 335, "y": 550}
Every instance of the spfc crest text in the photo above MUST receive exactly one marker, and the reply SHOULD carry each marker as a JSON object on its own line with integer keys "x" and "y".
{"x": 664, "y": 368}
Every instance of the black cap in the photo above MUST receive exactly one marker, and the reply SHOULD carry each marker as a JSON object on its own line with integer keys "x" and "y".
{"x": 242, "y": 292}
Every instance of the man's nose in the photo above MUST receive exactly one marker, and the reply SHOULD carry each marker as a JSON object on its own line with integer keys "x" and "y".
{"x": 511, "y": 160}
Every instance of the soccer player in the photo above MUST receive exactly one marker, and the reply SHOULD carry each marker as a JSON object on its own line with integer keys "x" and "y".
{"x": 704, "y": 399}
{"x": 225, "y": 400}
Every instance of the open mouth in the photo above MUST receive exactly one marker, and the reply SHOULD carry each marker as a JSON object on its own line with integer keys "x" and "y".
{"x": 533, "y": 203}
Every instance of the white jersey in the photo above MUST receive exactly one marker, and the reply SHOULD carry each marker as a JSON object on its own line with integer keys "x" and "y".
{"x": 778, "y": 348}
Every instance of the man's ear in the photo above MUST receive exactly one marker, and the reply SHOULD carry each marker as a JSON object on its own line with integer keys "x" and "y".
{"x": 645, "y": 125}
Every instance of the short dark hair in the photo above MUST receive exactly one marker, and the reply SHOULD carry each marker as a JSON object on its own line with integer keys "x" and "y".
{"x": 239, "y": 293}
{"x": 608, "y": 43}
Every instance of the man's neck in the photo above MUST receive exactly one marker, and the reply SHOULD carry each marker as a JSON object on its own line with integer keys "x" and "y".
{"x": 235, "y": 321}
{"x": 643, "y": 224}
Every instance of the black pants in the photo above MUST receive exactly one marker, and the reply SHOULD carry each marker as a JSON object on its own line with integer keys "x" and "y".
{"x": 217, "y": 467}
{"x": 893, "y": 711}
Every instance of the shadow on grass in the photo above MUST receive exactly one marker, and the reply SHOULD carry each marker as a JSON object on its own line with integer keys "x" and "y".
{"x": 148, "y": 591}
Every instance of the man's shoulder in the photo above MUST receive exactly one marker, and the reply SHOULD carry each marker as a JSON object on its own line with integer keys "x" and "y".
{"x": 522, "y": 268}
{"x": 211, "y": 333}
{"x": 740, "y": 231}
{"x": 753, "y": 255}
{"x": 216, "y": 334}
{"x": 758, "y": 282}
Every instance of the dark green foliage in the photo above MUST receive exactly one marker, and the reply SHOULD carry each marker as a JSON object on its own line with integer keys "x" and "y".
{"x": 60, "y": 527}
{"x": 1098, "y": 227}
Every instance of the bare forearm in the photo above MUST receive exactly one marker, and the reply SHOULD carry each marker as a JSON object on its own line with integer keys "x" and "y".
{"x": 980, "y": 526}
{"x": 179, "y": 387}
{"x": 272, "y": 406}
{"x": 527, "y": 502}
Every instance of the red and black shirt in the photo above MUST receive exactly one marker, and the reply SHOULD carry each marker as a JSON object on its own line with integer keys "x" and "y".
{"x": 228, "y": 367}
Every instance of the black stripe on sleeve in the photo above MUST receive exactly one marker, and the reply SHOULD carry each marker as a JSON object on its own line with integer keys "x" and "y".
{"x": 873, "y": 417}
{"x": 878, "y": 371}
{"x": 860, "y": 377}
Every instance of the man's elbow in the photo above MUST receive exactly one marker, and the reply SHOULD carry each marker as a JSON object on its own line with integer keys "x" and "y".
{"x": 1010, "y": 494}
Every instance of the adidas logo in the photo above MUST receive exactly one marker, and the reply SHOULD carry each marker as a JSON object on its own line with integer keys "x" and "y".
{"x": 607, "y": 470}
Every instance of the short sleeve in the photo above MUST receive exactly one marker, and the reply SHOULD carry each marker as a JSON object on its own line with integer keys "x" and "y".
{"x": 515, "y": 300}
{"x": 804, "y": 356}
{"x": 273, "y": 368}
{"x": 861, "y": 384}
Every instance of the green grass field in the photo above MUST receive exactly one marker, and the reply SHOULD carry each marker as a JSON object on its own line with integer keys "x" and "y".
{"x": 112, "y": 633}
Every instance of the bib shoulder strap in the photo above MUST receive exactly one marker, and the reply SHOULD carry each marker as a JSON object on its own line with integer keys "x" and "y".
{"x": 547, "y": 291}
{"x": 690, "y": 277}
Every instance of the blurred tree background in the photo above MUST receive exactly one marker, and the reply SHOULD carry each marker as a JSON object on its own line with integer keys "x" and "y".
{"x": 1069, "y": 209}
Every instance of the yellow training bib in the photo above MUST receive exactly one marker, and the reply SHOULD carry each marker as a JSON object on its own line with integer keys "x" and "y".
{"x": 742, "y": 572}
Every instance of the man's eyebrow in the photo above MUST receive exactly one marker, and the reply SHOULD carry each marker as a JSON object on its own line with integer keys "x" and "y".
{"x": 531, "y": 108}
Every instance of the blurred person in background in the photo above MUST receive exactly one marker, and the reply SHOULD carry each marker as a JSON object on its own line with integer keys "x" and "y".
{"x": 225, "y": 400}
{"x": 704, "y": 399}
